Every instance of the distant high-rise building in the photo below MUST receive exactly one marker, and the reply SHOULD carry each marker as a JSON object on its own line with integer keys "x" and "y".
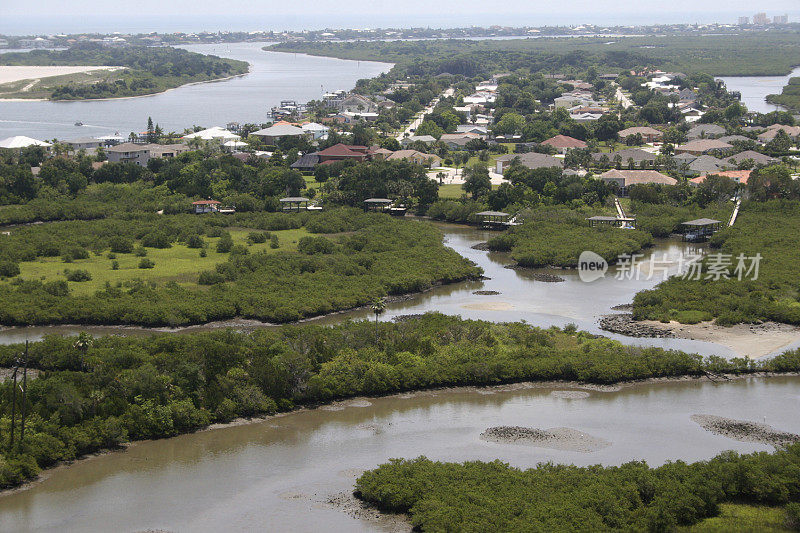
{"x": 760, "y": 19}
{"x": 780, "y": 19}
{"x": 744, "y": 21}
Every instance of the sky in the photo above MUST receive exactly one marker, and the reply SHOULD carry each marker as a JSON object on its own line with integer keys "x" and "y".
{"x": 72, "y": 16}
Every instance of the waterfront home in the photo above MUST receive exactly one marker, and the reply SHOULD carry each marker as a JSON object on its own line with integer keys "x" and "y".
{"x": 739, "y": 176}
{"x": 527, "y": 160}
{"x": 215, "y": 133}
{"x": 624, "y": 179}
{"x": 140, "y": 154}
{"x": 20, "y": 141}
{"x": 279, "y": 131}
{"x": 564, "y": 143}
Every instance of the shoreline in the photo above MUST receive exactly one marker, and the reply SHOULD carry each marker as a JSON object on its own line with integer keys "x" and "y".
{"x": 755, "y": 341}
{"x": 234, "y": 322}
{"x": 356, "y": 402}
{"x": 127, "y": 97}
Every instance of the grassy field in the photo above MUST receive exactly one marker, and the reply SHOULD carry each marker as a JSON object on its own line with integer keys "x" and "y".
{"x": 178, "y": 263}
{"x": 738, "y": 518}
{"x": 42, "y": 88}
{"x": 449, "y": 191}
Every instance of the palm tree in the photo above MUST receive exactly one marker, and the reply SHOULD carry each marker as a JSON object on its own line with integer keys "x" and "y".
{"x": 378, "y": 307}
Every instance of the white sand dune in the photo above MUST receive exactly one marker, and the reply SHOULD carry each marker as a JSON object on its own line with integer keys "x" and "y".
{"x": 9, "y": 74}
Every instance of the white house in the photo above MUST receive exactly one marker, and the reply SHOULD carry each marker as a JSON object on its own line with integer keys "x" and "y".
{"x": 213, "y": 133}
{"x": 317, "y": 131}
{"x": 20, "y": 141}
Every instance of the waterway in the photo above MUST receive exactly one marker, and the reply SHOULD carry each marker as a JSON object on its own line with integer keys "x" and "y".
{"x": 521, "y": 297}
{"x": 277, "y": 475}
{"x": 755, "y": 89}
{"x": 273, "y": 77}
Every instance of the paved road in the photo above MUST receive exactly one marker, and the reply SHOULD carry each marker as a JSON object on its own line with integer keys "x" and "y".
{"x": 624, "y": 100}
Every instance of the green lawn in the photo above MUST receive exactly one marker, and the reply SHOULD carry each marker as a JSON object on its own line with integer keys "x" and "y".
{"x": 178, "y": 263}
{"x": 737, "y": 518}
{"x": 451, "y": 190}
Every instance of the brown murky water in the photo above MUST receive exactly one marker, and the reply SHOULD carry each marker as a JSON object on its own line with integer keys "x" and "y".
{"x": 276, "y": 475}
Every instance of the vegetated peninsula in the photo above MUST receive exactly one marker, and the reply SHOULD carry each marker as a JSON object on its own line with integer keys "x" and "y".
{"x": 98, "y": 393}
{"x": 746, "y": 54}
{"x": 139, "y": 71}
{"x": 789, "y": 97}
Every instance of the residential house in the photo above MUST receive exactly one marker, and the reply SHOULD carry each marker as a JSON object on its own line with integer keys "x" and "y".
{"x": 457, "y": 141}
{"x": 427, "y": 139}
{"x": 279, "y": 131}
{"x": 528, "y": 160}
{"x": 564, "y": 143}
{"x": 166, "y": 150}
{"x": 428, "y": 160}
{"x": 624, "y": 179}
{"x": 687, "y": 96}
{"x": 739, "y": 176}
{"x": 705, "y": 131}
{"x": 85, "y": 143}
{"x": 140, "y": 154}
{"x": 129, "y": 153}
{"x": 702, "y": 146}
{"x": 730, "y": 139}
{"x": 20, "y": 141}
{"x": 316, "y": 131}
{"x": 354, "y": 103}
{"x": 306, "y": 162}
{"x": 342, "y": 152}
{"x": 624, "y": 156}
{"x": 756, "y": 157}
{"x": 792, "y": 131}
{"x": 469, "y": 128}
{"x": 649, "y": 135}
{"x": 215, "y": 133}
{"x": 355, "y": 116}
{"x": 707, "y": 164}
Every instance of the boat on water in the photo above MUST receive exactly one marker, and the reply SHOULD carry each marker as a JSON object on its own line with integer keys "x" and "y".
{"x": 79, "y": 123}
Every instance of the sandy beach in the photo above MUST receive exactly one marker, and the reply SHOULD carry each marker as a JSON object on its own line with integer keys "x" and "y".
{"x": 10, "y": 74}
{"x": 751, "y": 340}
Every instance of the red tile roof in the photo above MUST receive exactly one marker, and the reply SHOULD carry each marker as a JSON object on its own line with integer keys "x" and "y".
{"x": 341, "y": 150}
{"x": 739, "y": 176}
{"x": 563, "y": 141}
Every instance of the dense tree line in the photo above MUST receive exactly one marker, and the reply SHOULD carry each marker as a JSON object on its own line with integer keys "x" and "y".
{"x": 556, "y": 237}
{"x": 770, "y": 229}
{"x": 481, "y": 496}
{"x": 383, "y": 256}
{"x": 147, "y": 69}
{"x": 91, "y": 394}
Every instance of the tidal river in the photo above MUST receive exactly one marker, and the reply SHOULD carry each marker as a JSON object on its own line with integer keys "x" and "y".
{"x": 273, "y": 77}
{"x": 520, "y": 296}
{"x": 280, "y": 474}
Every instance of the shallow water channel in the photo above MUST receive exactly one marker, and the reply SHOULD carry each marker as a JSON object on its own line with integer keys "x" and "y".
{"x": 521, "y": 296}
{"x": 277, "y": 475}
